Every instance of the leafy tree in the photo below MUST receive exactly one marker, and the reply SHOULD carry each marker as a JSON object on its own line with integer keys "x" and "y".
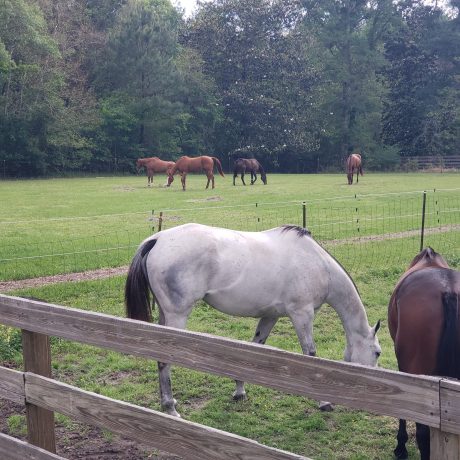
{"x": 422, "y": 115}
{"x": 29, "y": 87}
{"x": 348, "y": 36}
{"x": 259, "y": 61}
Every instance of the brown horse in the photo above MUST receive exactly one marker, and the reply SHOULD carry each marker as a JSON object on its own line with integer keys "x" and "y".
{"x": 153, "y": 165}
{"x": 354, "y": 163}
{"x": 185, "y": 165}
{"x": 424, "y": 323}
{"x": 243, "y": 165}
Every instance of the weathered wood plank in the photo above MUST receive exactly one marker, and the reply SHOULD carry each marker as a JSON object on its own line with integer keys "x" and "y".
{"x": 37, "y": 358}
{"x": 12, "y": 385}
{"x": 15, "y": 449}
{"x": 444, "y": 446}
{"x": 450, "y": 406}
{"x": 172, "y": 434}
{"x": 376, "y": 390}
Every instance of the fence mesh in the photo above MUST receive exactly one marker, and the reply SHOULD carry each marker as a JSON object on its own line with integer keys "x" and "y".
{"x": 371, "y": 229}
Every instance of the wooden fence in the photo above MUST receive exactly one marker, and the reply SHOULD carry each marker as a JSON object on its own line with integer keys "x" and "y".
{"x": 433, "y": 401}
{"x": 429, "y": 162}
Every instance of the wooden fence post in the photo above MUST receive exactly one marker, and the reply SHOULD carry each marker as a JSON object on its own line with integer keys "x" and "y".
{"x": 444, "y": 446}
{"x": 37, "y": 359}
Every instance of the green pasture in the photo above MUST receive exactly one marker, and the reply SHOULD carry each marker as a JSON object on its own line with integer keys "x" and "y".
{"x": 69, "y": 225}
{"x": 37, "y": 215}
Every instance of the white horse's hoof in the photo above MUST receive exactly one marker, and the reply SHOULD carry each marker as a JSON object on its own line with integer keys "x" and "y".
{"x": 239, "y": 396}
{"x": 326, "y": 406}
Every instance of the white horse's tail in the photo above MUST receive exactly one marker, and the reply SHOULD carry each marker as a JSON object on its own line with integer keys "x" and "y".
{"x": 137, "y": 289}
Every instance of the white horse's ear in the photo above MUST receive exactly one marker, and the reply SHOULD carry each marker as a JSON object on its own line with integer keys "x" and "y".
{"x": 376, "y": 327}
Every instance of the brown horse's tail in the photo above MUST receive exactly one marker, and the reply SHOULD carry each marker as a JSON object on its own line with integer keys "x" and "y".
{"x": 218, "y": 165}
{"x": 360, "y": 170}
{"x": 137, "y": 289}
{"x": 449, "y": 347}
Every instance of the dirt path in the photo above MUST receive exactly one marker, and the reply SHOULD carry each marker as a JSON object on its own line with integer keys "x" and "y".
{"x": 64, "y": 278}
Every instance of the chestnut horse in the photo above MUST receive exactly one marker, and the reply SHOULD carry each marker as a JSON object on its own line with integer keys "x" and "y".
{"x": 185, "y": 164}
{"x": 354, "y": 163}
{"x": 423, "y": 318}
{"x": 153, "y": 165}
{"x": 243, "y": 165}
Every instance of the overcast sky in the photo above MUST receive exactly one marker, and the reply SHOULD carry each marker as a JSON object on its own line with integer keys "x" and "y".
{"x": 187, "y": 5}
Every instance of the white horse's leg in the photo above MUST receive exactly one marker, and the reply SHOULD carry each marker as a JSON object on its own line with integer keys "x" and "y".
{"x": 303, "y": 325}
{"x": 167, "y": 401}
{"x": 263, "y": 330}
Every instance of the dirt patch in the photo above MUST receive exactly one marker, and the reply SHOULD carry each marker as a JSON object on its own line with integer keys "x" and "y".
{"x": 89, "y": 275}
{"x": 78, "y": 441}
{"x": 392, "y": 236}
{"x": 124, "y": 188}
{"x": 205, "y": 200}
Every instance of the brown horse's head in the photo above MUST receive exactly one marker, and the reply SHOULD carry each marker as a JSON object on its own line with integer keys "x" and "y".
{"x": 139, "y": 163}
{"x": 428, "y": 257}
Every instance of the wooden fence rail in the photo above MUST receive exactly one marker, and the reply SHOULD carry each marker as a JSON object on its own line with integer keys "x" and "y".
{"x": 430, "y": 400}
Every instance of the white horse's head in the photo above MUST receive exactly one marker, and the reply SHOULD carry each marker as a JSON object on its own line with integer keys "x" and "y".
{"x": 364, "y": 350}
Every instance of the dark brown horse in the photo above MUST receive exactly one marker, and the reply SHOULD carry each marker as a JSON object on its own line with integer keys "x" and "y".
{"x": 423, "y": 318}
{"x": 185, "y": 165}
{"x": 243, "y": 165}
{"x": 154, "y": 165}
{"x": 354, "y": 163}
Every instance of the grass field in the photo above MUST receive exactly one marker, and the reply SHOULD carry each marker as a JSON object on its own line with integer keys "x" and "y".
{"x": 43, "y": 212}
{"x": 69, "y": 225}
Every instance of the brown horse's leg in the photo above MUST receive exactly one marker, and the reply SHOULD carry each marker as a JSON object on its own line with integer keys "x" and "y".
{"x": 235, "y": 175}
{"x": 422, "y": 435}
{"x": 401, "y": 451}
{"x": 210, "y": 177}
{"x": 357, "y": 174}
{"x": 182, "y": 179}
{"x": 263, "y": 330}
{"x": 242, "y": 178}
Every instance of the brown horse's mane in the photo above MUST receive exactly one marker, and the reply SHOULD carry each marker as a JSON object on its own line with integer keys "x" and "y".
{"x": 427, "y": 258}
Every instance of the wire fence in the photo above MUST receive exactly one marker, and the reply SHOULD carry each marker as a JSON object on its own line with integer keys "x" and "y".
{"x": 376, "y": 230}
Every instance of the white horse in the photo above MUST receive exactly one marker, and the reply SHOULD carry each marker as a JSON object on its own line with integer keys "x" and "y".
{"x": 278, "y": 272}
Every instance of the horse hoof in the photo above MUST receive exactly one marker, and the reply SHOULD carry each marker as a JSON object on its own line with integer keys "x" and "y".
{"x": 326, "y": 406}
{"x": 239, "y": 397}
{"x": 170, "y": 408}
{"x": 401, "y": 453}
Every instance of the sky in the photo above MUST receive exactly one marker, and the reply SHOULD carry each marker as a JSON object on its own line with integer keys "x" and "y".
{"x": 187, "y": 5}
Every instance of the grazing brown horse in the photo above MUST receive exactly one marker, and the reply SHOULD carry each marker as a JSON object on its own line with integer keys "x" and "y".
{"x": 185, "y": 164}
{"x": 243, "y": 165}
{"x": 424, "y": 323}
{"x": 354, "y": 162}
{"x": 153, "y": 165}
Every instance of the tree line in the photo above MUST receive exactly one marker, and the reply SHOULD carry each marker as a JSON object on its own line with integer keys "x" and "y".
{"x": 91, "y": 85}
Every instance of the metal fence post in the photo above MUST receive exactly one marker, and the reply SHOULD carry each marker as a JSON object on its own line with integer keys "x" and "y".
{"x": 423, "y": 221}
{"x": 160, "y": 221}
{"x": 304, "y": 214}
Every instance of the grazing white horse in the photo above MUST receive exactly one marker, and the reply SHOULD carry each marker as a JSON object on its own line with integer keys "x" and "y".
{"x": 278, "y": 272}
